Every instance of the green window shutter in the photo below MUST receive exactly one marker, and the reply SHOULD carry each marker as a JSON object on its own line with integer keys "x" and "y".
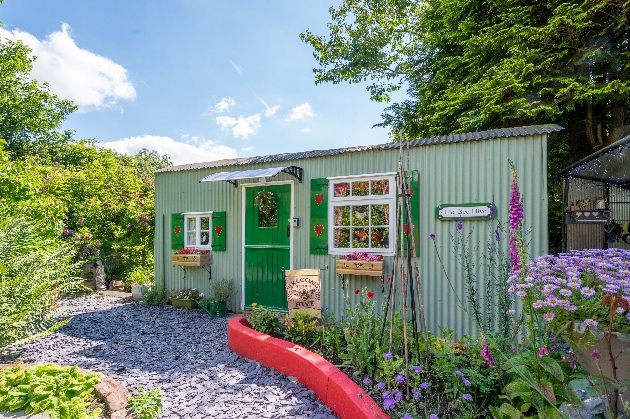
{"x": 319, "y": 216}
{"x": 219, "y": 227}
{"x": 177, "y": 231}
{"x": 414, "y": 201}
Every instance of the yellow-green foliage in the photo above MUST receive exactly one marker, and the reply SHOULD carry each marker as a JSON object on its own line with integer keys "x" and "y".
{"x": 62, "y": 392}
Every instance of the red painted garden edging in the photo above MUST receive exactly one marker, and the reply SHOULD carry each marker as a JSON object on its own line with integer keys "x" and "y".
{"x": 332, "y": 386}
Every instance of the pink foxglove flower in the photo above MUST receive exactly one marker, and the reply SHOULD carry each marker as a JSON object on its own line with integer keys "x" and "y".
{"x": 485, "y": 352}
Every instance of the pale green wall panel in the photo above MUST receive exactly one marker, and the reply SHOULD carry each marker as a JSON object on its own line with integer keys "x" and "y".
{"x": 460, "y": 172}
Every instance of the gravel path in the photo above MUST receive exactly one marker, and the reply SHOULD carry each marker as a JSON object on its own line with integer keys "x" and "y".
{"x": 182, "y": 352}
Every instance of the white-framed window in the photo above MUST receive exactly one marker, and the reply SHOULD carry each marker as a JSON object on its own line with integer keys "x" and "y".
{"x": 361, "y": 214}
{"x": 198, "y": 230}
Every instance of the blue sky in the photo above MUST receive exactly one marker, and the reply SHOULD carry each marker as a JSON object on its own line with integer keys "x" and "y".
{"x": 198, "y": 80}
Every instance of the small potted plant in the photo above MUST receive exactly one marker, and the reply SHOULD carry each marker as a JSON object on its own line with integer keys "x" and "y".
{"x": 185, "y": 298}
{"x": 221, "y": 293}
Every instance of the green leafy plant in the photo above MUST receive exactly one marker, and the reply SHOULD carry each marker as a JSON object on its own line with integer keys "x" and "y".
{"x": 146, "y": 404}
{"x": 154, "y": 296}
{"x": 265, "y": 321}
{"x": 186, "y": 294}
{"x": 141, "y": 275}
{"x": 302, "y": 329}
{"x": 36, "y": 270}
{"x": 63, "y": 392}
{"x": 221, "y": 289}
{"x": 361, "y": 328}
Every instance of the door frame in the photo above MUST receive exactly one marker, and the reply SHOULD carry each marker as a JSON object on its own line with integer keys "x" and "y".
{"x": 243, "y": 216}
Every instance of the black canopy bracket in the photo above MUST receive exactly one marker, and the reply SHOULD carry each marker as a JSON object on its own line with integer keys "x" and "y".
{"x": 295, "y": 171}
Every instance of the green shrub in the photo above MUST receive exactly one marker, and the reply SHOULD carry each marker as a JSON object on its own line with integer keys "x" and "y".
{"x": 61, "y": 391}
{"x": 221, "y": 289}
{"x": 265, "y": 321}
{"x": 147, "y": 404}
{"x": 35, "y": 272}
{"x": 140, "y": 275}
{"x": 154, "y": 296}
{"x": 302, "y": 329}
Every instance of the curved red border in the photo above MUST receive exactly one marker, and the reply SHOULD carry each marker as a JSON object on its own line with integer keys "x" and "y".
{"x": 332, "y": 386}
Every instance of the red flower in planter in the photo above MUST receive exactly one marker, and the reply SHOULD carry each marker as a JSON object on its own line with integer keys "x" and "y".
{"x": 356, "y": 291}
{"x": 370, "y": 294}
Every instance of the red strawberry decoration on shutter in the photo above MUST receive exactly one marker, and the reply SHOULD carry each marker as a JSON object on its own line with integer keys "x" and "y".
{"x": 318, "y": 230}
{"x": 319, "y": 198}
{"x": 177, "y": 230}
{"x": 218, "y": 229}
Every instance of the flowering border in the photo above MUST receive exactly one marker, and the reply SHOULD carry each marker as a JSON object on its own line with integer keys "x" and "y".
{"x": 331, "y": 386}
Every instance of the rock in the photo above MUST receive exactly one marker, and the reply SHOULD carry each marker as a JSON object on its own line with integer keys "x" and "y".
{"x": 118, "y": 400}
{"x": 105, "y": 387}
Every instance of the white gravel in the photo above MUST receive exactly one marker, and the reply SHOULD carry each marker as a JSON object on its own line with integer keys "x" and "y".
{"x": 182, "y": 352}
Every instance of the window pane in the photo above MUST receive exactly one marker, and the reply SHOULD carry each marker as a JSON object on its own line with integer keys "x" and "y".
{"x": 380, "y": 237}
{"x": 380, "y": 187}
{"x": 191, "y": 239}
{"x": 205, "y": 238}
{"x": 192, "y": 224}
{"x": 342, "y": 216}
{"x": 204, "y": 223}
{"x": 267, "y": 209}
{"x": 342, "y": 189}
{"x": 360, "y": 238}
{"x": 380, "y": 215}
{"x": 342, "y": 237}
{"x": 360, "y": 188}
{"x": 360, "y": 215}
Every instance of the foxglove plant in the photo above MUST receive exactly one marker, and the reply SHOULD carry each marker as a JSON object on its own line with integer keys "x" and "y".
{"x": 517, "y": 249}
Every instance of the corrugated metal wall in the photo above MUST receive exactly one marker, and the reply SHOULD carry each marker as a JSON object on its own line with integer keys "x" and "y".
{"x": 474, "y": 171}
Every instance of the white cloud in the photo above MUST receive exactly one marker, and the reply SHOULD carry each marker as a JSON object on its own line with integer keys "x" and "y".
{"x": 307, "y": 129}
{"x": 301, "y": 112}
{"x": 90, "y": 80}
{"x": 241, "y": 127}
{"x": 248, "y": 148}
{"x": 223, "y": 106}
{"x": 180, "y": 153}
{"x": 238, "y": 68}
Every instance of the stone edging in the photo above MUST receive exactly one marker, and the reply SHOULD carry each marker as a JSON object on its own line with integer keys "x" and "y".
{"x": 332, "y": 386}
{"x": 115, "y": 396}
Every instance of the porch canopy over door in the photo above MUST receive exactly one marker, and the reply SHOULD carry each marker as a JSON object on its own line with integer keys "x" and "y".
{"x": 232, "y": 177}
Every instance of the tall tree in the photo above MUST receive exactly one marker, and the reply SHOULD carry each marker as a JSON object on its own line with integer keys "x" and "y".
{"x": 472, "y": 65}
{"x": 30, "y": 116}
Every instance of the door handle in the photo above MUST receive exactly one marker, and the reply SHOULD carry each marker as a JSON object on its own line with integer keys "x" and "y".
{"x": 288, "y": 230}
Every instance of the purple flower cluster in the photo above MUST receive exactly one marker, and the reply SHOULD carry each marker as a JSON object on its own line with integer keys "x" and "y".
{"x": 390, "y": 398}
{"x": 571, "y": 286}
{"x": 516, "y": 218}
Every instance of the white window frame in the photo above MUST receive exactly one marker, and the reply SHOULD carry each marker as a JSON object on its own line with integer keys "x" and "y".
{"x": 198, "y": 215}
{"x": 390, "y": 199}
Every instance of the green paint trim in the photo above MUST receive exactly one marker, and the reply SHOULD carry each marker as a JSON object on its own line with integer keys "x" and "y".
{"x": 455, "y": 218}
{"x": 266, "y": 246}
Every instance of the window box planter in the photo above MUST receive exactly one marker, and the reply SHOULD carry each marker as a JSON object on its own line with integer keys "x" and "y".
{"x": 192, "y": 260}
{"x": 359, "y": 267}
{"x": 180, "y": 303}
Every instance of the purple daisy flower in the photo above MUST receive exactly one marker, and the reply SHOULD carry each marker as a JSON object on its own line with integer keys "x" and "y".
{"x": 380, "y": 386}
{"x": 400, "y": 378}
{"x": 468, "y": 397}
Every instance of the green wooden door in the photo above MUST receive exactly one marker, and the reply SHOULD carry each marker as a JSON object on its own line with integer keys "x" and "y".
{"x": 267, "y": 245}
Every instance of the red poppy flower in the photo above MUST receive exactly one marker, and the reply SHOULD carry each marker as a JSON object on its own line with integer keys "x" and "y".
{"x": 356, "y": 292}
{"x": 370, "y": 294}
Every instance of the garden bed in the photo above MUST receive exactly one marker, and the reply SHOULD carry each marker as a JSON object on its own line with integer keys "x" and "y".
{"x": 330, "y": 385}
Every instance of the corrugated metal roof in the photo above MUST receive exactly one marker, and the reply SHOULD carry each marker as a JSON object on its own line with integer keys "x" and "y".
{"x": 451, "y": 138}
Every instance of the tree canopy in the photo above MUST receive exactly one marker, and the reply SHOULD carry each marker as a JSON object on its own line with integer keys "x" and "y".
{"x": 30, "y": 115}
{"x": 471, "y": 65}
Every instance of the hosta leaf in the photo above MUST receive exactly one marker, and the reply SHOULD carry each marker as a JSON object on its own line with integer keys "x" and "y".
{"x": 510, "y": 411}
{"x": 517, "y": 388}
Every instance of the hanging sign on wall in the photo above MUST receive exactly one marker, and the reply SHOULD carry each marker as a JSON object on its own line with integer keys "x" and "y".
{"x": 476, "y": 211}
{"x": 304, "y": 292}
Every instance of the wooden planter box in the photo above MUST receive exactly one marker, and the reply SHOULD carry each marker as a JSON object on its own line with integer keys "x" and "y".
{"x": 192, "y": 260}
{"x": 359, "y": 267}
{"x": 183, "y": 303}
